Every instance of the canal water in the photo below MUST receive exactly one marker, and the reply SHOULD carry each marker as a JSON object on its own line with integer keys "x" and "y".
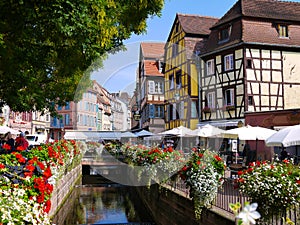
{"x": 103, "y": 203}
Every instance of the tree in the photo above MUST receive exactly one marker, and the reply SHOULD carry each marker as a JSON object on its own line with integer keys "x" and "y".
{"x": 47, "y": 47}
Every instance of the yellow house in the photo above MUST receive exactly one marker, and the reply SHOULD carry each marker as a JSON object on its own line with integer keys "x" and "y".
{"x": 184, "y": 44}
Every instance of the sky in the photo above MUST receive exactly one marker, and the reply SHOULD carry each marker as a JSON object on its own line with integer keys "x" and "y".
{"x": 119, "y": 70}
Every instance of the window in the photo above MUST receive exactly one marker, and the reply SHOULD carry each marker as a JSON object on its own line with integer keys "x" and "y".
{"x": 174, "y": 113}
{"x": 249, "y": 63}
{"x": 224, "y": 34}
{"x": 210, "y": 67}
{"x": 181, "y": 111}
{"x": 178, "y": 79}
{"x": 211, "y": 100}
{"x": 67, "y": 119}
{"x": 67, "y": 107}
{"x": 283, "y": 30}
{"x": 159, "y": 111}
{"x": 194, "y": 111}
{"x": 228, "y": 62}
{"x": 160, "y": 66}
{"x": 158, "y": 87}
{"x": 250, "y": 100}
{"x": 171, "y": 81}
{"x": 229, "y": 97}
{"x": 151, "y": 86}
{"x": 174, "y": 49}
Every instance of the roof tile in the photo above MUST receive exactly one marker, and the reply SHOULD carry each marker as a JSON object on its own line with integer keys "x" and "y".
{"x": 152, "y": 50}
{"x": 195, "y": 24}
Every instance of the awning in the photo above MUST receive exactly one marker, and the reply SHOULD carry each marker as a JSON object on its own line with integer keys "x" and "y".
{"x": 222, "y": 123}
{"x": 109, "y": 135}
{"x": 92, "y": 135}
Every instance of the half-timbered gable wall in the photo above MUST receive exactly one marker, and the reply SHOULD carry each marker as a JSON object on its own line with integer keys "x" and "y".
{"x": 252, "y": 60}
{"x": 176, "y": 80}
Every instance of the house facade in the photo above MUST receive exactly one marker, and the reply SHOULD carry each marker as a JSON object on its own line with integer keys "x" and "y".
{"x": 250, "y": 64}
{"x": 181, "y": 73}
{"x": 151, "y": 87}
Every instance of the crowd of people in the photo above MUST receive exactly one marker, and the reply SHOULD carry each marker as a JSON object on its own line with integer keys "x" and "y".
{"x": 12, "y": 144}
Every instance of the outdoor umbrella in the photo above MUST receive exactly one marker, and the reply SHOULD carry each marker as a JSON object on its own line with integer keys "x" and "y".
{"x": 144, "y": 133}
{"x": 75, "y": 135}
{"x": 206, "y": 131}
{"x": 289, "y": 136}
{"x": 249, "y": 133}
{"x": 128, "y": 134}
{"x": 180, "y": 131}
{"x": 5, "y": 129}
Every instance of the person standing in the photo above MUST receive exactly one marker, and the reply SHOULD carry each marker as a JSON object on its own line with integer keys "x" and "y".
{"x": 21, "y": 142}
{"x": 283, "y": 154}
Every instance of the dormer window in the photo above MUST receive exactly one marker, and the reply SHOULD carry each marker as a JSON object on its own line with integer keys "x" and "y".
{"x": 224, "y": 34}
{"x": 160, "y": 65}
{"x": 283, "y": 30}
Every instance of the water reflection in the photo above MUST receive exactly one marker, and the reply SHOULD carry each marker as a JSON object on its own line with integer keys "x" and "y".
{"x": 110, "y": 204}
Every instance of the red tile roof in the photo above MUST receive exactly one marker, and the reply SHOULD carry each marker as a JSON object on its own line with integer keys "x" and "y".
{"x": 151, "y": 68}
{"x": 152, "y": 50}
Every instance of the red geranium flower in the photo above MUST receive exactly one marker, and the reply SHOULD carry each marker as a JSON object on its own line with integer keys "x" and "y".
{"x": 47, "y": 206}
{"x": 20, "y": 148}
{"x": 2, "y": 166}
{"x": 218, "y": 158}
{"x": 6, "y": 146}
{"x": 30, "y": 167}
{"x": 47, "y": 173}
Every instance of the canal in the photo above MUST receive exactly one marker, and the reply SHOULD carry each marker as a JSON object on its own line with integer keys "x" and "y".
{"x": 102, "y": 202}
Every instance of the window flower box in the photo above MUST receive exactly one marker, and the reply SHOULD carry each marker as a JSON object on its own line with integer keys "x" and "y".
{"x": 229, "y": 107}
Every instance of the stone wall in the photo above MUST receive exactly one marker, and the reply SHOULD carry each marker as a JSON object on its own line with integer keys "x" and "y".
{"x": 169, "y": 207}
{"x": 63, "y": 189}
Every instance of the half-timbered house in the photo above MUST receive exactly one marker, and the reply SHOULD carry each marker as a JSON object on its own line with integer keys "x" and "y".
{"x": 180, "y": 71}
{"x": 251, "y": 64}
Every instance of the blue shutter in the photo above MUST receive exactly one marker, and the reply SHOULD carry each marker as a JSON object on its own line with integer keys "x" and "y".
{"x": 151, "y": 111}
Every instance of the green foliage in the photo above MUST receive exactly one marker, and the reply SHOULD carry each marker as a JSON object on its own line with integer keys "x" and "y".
{"x": 47, "y": 47}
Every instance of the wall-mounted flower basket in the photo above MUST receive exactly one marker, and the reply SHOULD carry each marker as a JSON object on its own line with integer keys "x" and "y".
{"x": 207, "y": 110}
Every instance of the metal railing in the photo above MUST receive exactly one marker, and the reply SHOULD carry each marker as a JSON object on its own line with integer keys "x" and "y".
{"x": 228, "y": 193}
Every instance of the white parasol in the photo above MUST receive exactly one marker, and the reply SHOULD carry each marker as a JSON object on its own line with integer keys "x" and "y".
{"x": 5, "y": 129}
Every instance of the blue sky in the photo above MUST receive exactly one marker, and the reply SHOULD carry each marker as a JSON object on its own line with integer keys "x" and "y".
{"x": 119, "y": 71}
